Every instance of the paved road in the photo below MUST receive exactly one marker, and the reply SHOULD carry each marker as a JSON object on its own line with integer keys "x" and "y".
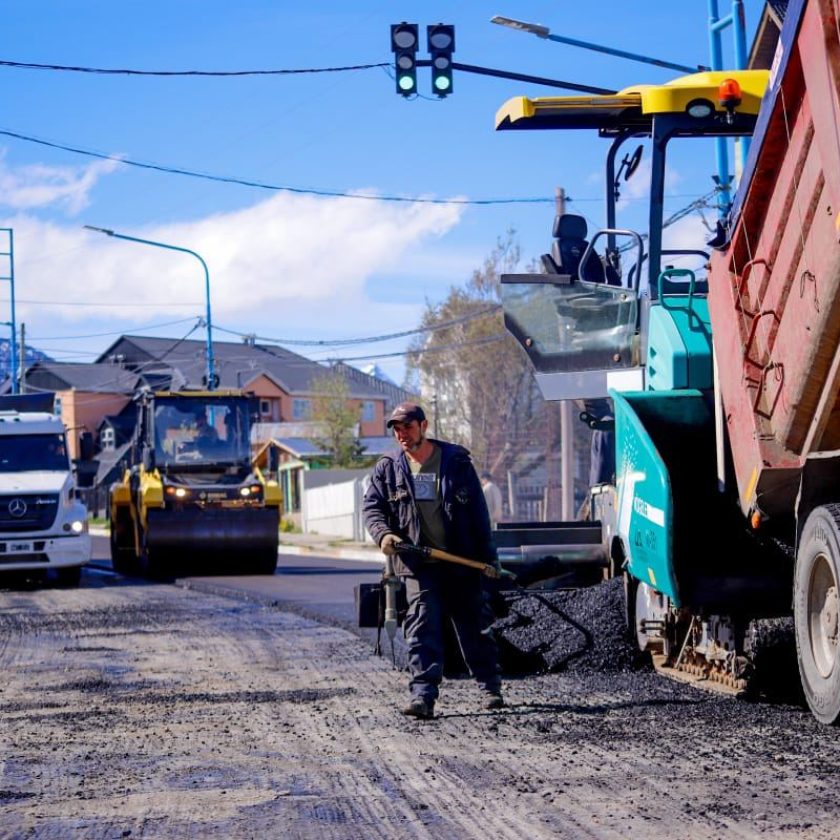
{"x": 314, "y": 586}
{"x": 130, "y": 708}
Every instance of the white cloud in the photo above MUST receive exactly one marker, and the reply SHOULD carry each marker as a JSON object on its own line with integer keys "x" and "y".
{"x": 283, "y": 265}
{"x": 689, "y": 233}
{"x": 28, "y": 187}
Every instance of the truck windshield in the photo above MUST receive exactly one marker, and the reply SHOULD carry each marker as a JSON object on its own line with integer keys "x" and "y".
{"x": 199, "y": 432}
{"x": 26, "y": 453}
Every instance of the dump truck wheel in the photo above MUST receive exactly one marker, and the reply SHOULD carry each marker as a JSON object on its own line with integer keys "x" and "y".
{"x": 816, "y": 611}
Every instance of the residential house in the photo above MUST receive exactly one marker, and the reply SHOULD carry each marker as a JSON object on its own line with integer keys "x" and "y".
{"x": 84, "y": 394}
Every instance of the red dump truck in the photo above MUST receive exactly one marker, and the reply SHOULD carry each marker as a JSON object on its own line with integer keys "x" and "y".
{"x": 774, "y": 302}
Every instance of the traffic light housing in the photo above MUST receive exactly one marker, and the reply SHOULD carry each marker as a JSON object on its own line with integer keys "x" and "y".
{"x": 441, "y": 45}
{"x": 404, "y": 42}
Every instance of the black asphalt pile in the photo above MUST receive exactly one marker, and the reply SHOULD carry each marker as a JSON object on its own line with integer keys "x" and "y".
{"x": 770, "y": 646}
{"x": 580, "y": 631}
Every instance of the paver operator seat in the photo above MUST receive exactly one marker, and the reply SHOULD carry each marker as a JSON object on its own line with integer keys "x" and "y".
{"x": 568, "y": 248}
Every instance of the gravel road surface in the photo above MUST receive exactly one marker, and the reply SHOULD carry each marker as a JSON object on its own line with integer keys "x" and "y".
{"x": 136, "y": 710}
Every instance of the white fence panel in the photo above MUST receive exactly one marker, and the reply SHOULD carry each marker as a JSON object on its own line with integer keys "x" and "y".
{"x": 334, "y": 509}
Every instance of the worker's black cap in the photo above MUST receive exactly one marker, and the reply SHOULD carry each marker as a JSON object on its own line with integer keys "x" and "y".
{"x": 405, "y": 413}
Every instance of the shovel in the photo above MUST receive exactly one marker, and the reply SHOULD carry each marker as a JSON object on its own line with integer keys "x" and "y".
{"x": 436, "y": 554}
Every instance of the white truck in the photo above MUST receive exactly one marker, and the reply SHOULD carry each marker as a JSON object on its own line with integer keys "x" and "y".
{"x": 43, "y": 525}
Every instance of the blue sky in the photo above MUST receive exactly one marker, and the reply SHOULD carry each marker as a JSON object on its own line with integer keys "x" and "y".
{"x": 284, "y": 265}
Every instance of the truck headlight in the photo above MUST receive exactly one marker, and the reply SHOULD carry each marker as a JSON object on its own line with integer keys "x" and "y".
{"x": 77, "y": 526}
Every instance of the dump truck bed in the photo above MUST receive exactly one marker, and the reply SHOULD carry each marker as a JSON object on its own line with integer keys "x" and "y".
{"x": 774, "y": 294}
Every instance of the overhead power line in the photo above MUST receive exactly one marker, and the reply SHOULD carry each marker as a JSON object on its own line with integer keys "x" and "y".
{"x": 28, "y": 65}
{"x": 339, "y": 342}
{"x": 174, "y": 170}
{"x": 490, "y": 339}
{"x": 262, "y": 185}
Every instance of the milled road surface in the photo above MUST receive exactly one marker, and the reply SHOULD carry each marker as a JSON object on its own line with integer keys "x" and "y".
{"x": 134, "y": 710}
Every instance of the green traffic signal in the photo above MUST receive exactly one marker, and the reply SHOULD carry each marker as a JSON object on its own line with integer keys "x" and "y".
{"x": 404, "y": 42}
{"x": 440, "y": 39}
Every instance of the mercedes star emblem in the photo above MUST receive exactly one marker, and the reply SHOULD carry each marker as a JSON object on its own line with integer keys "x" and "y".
{"x": 17, "y": 508}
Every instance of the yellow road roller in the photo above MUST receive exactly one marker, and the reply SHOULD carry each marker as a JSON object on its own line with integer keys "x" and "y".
{"x": 190, "y": 501}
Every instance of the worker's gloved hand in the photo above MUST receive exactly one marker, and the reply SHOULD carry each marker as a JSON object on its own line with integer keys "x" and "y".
{"x": 388, "y": 546}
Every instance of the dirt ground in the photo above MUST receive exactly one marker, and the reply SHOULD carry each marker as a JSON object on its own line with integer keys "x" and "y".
{"x": 130, "y": 710}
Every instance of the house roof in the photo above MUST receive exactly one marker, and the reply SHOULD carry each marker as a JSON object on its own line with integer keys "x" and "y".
{"x": 394, "y": 395}
{"x": 304, "y": 448}
{"x": 236, "y": 364}
{"x": 97, "y": 377}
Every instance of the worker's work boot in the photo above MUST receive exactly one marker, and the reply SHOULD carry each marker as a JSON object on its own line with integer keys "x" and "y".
{"x": 494, "y": 700}
{"x": 419, "y": 708}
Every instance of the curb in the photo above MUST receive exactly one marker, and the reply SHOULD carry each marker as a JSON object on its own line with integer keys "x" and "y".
{"x": 337, "y": 553}
{"x": 369, "y": 555}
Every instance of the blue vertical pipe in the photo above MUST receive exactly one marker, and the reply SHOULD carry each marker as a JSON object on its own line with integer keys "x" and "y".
{"x": 13, "y": 321}
{"x": 721, "y": 148}
{"x": 717, "y": 24}
{"x": 739, "y": 36}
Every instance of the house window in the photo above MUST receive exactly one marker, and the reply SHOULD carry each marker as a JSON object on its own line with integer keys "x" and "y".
{"x": 301, "y": 409}
{"x": 265, "y": 408}
{"x": 107, "y": 440}
{"x": 368, "y": 411}
{"x": 57, "y": 406}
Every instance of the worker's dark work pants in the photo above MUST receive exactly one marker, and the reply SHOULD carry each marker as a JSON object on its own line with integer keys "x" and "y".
{"x": 439, "y": 593}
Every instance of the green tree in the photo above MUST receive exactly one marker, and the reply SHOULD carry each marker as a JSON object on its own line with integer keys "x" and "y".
{"x": 338, "y": 417}
{"x": 479, "y": 379}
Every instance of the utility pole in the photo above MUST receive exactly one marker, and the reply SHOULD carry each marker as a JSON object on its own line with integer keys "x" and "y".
{"x": 567, "y": 433}
{"x": 23, "y": 358}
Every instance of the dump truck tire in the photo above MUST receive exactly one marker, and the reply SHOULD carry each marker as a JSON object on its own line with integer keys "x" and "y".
{"x": 816, "y": 611}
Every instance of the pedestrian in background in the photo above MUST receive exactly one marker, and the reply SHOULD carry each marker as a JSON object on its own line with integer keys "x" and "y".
{"x": 429, "y": 494}
{"x": 493, "y": 497}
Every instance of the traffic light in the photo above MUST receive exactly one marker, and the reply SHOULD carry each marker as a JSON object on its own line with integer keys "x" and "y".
{"x": 441, "y": 44}
{"x": 404, "y": 40}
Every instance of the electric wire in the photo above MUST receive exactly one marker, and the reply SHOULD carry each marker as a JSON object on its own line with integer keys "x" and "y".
{"x": 245, "y": 182}
{"x": 367, "y": 339}
{"x": 107, "y": 71}
{"x": 113, "y": 332}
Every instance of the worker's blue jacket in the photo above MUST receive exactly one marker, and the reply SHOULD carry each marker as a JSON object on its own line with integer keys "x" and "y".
{"x": 390, "y": 507}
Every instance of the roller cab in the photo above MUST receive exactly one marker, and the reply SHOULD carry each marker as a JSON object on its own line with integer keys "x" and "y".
{"x": 192, "y": 500}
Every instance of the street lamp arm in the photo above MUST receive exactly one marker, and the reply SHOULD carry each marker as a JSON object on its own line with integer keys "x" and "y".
{"x": 543, "y": 32}
{"x": 211, "y": 367}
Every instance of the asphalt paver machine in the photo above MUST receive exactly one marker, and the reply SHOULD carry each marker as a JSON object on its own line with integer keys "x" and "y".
{"x": 611, "y": 318}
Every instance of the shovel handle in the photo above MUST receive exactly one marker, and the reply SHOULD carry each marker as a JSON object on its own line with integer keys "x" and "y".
{"x": 437, "y": 554}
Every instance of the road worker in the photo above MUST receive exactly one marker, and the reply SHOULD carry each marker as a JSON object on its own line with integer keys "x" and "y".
{"x": 429, "y": 494}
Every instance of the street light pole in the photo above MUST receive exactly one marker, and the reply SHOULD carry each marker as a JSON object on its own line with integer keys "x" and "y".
{"x": 543, "y": 32}
{"x": 211, "y": 368}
